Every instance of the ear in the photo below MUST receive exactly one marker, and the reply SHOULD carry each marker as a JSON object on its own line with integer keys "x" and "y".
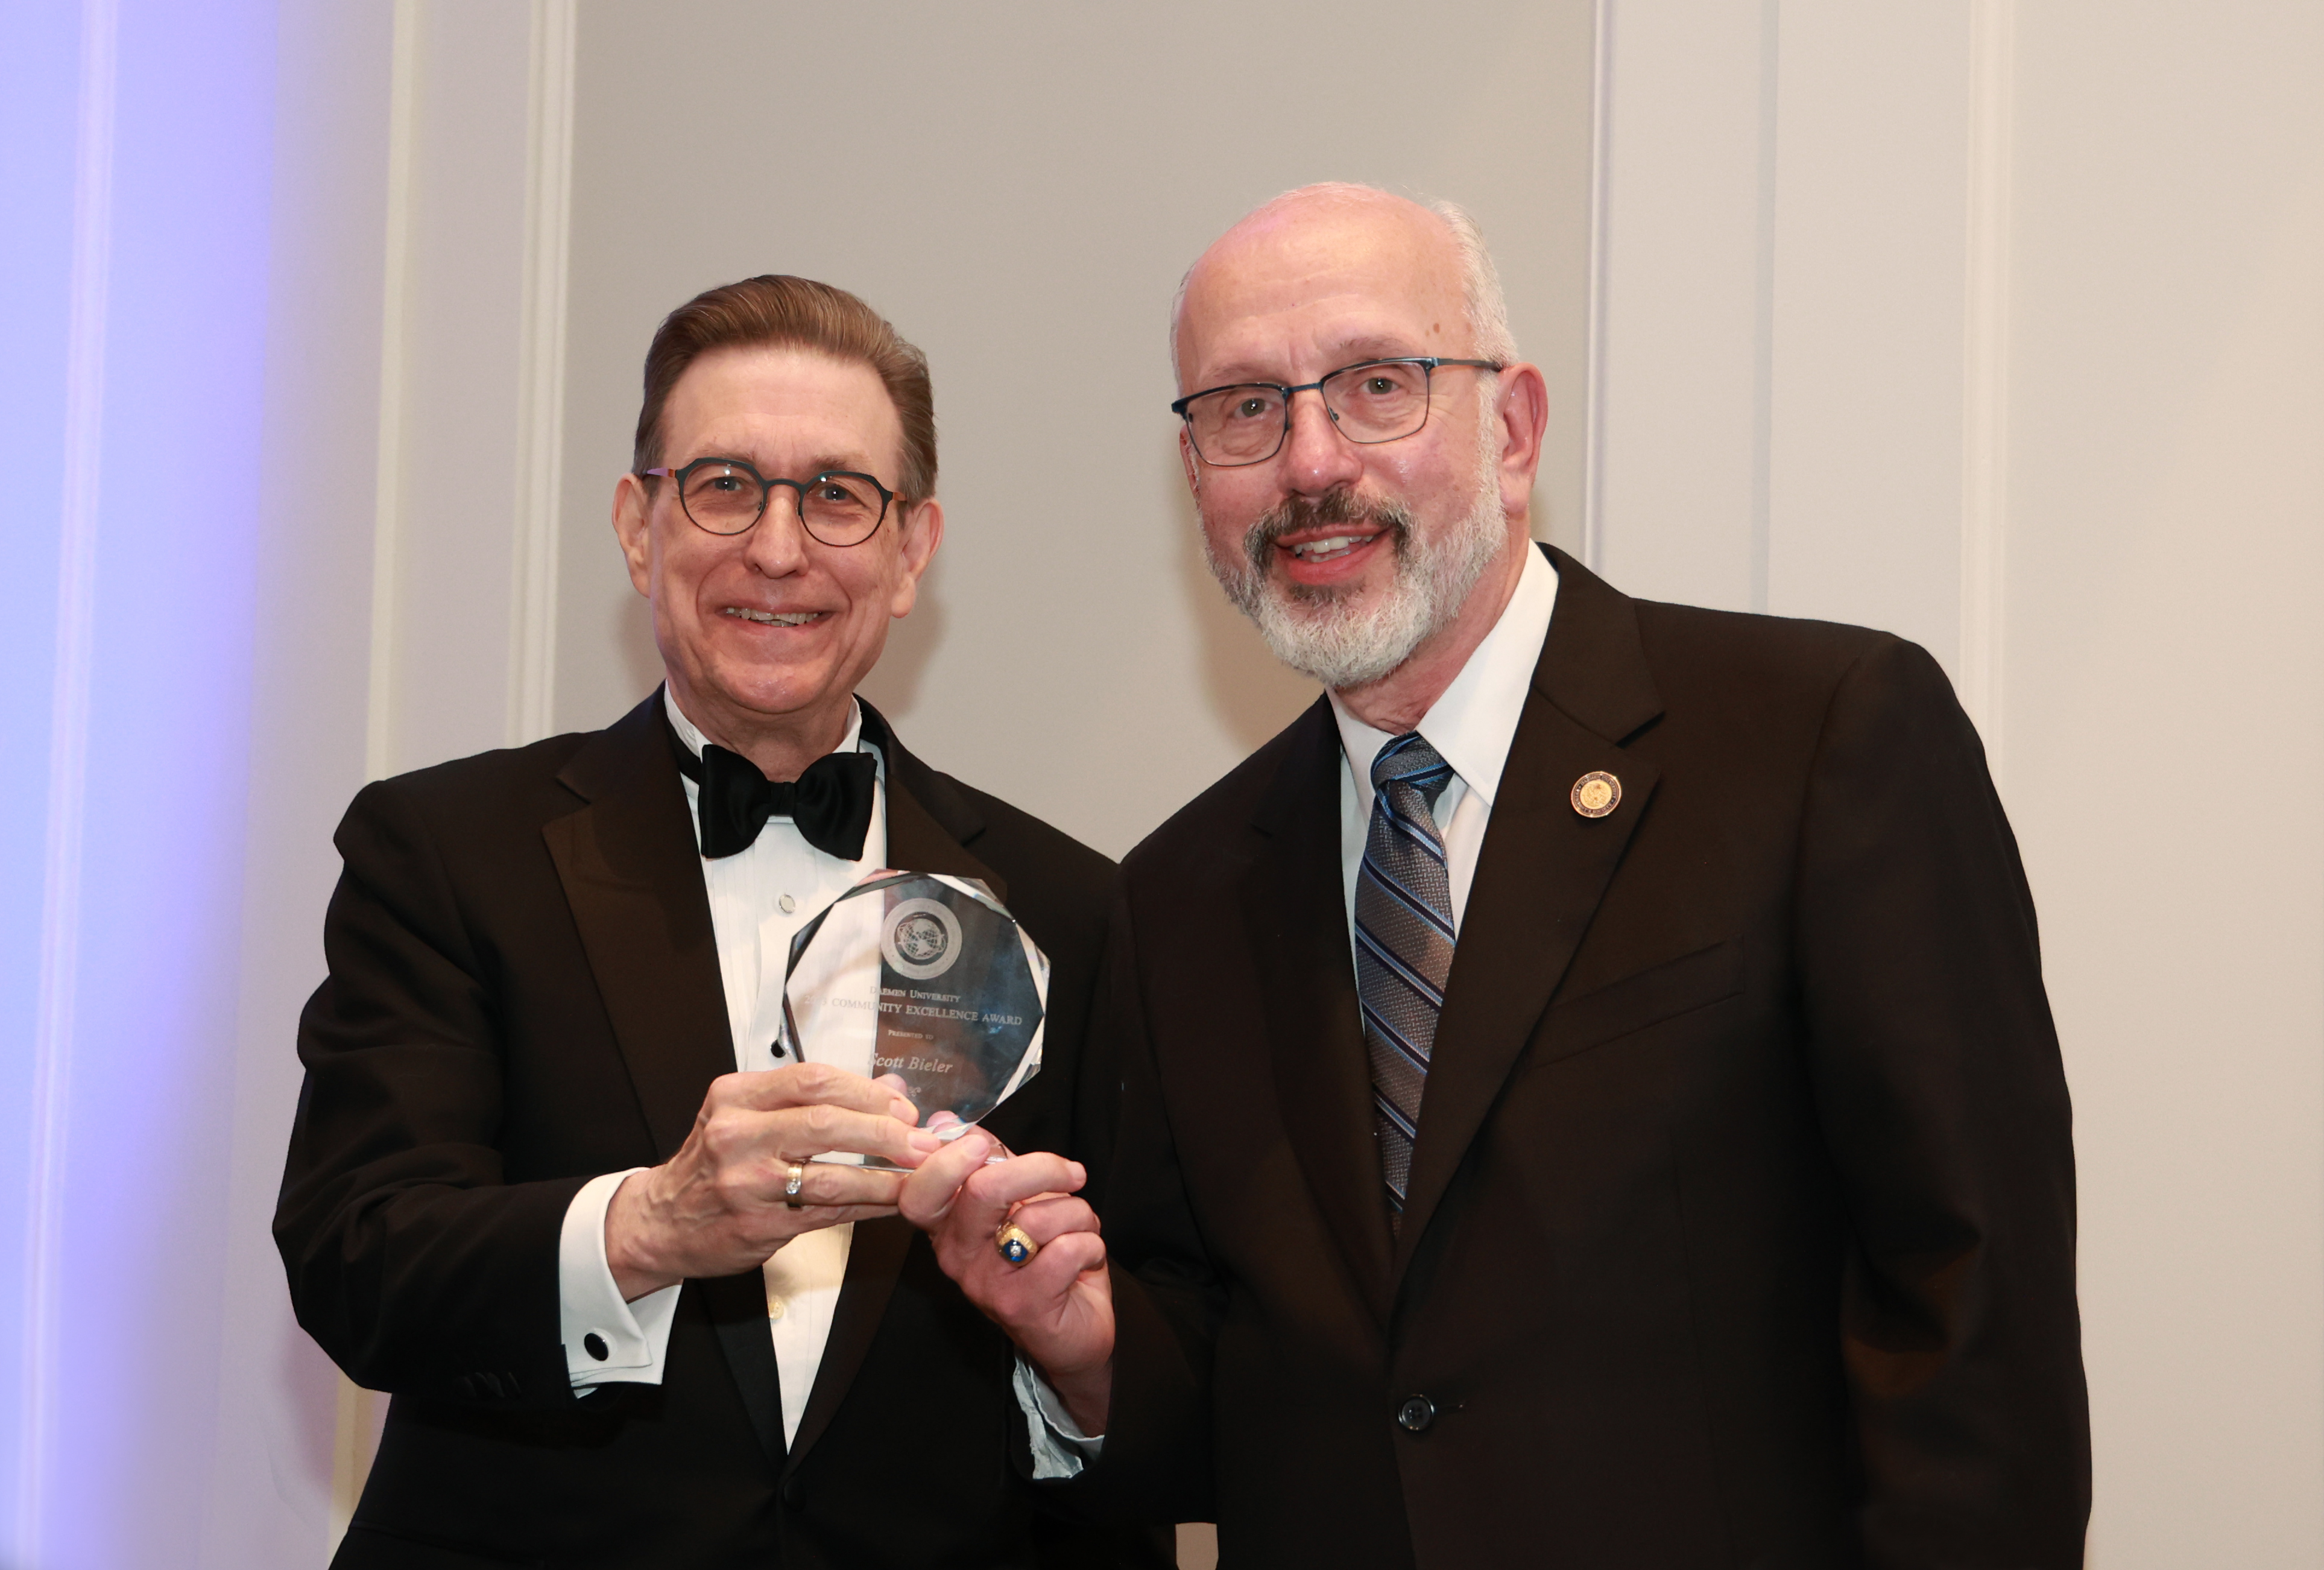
{"x": 631, "y": 504}
{"x": 918, "y": 532}
{"x": 1188, "y": 461}
{"x": 1523, "y": 415}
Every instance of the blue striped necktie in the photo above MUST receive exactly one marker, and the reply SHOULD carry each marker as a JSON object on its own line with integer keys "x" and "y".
{"x": 1403, "y": 945}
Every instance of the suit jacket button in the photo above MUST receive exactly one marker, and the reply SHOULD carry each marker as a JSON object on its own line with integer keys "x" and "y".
{"x": 794, "y": 1492}
{"x": 1416, "y": 1415}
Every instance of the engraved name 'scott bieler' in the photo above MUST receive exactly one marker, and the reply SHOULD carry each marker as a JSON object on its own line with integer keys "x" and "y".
{"x": 925, "y": 976}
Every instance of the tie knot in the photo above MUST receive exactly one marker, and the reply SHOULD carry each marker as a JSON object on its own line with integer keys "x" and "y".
{"x": 1409, "y": 760}
{"x": 830, "y": 803}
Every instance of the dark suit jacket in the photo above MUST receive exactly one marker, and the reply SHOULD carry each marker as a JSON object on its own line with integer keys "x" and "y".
{"x": 524, "y": 992}
{"x": 1741, "y": 1221}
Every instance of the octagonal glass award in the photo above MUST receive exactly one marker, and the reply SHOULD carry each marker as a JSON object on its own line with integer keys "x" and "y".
{"x": 925, "y": 977}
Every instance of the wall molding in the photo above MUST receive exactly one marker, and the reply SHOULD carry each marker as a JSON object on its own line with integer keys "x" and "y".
{"x": 1593, "y": 445}
{"x": 1762, "y": 306}
{"x": 61, "y": 901}
{"x": 540, "y": 388}
{"x": 355, "y": 1423}
{"x": 387, "y": 496}
{"x": 1985, "y": 380}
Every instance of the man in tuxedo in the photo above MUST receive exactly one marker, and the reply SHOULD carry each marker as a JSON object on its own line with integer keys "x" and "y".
{"x": 553, "y": 1178}
{"x": 1589, "y": 1098}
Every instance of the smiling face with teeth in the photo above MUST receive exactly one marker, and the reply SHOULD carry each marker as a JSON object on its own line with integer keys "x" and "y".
{"x": 765, "y": 635}
{"x": 1377, "y": 568}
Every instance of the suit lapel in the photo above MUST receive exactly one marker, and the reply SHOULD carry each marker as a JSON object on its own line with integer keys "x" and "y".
{"x": 633, "y": 880}
{"x": 929, "y": 824}
{"x": 738, "y": 1313}
{"x": 1541, "y": 871}
{"x": 1297, "y": 923}
{"x": 927, "y": 820}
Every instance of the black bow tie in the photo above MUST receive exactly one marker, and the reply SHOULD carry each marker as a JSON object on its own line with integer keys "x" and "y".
{"x": 831, "y": 802}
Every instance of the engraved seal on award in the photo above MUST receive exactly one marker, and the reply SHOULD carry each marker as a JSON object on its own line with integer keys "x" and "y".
{"x": 919, "y": 938}
{"x": 925, "y": 977}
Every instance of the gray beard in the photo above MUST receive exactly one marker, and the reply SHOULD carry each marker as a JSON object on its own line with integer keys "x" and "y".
{"x": 1332, "y": 634}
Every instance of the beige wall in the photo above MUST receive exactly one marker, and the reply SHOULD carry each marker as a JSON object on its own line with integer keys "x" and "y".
{"x": 1018, "y": 187}
{"x": 1994, "y": 323}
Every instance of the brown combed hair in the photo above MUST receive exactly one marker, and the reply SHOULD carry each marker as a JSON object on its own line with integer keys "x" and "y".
{"x": 776, "y": 310}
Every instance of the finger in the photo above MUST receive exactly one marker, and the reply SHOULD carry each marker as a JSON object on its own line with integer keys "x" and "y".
{"x": 988, "y": 1193}
{"x": 934, "y": 1187}
{"x": 1046, "y": 1220}
{"x": 904, "y": 1108}
{"x": 838, "y": 1185}
{"x": 778, "y": 1226}
{"x": 799, "y": 1134}
{"x": 798, "y": 1084}
{"x": 1035, "y": 1293}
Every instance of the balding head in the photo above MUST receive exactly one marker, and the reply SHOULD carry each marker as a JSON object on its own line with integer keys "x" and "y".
{"x": 1299, "y": 236}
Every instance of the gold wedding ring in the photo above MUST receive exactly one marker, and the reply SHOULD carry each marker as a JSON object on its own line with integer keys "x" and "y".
{"x": 791, "y": 1184}
{"x": 1015, "y": 1245}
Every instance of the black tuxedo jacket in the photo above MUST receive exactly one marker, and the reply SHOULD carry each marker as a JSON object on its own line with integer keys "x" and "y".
{"x": 1740, "y": 1229}
{"x": 524, "y": 992}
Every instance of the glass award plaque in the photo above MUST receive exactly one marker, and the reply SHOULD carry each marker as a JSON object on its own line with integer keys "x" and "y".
{"x": 926, "y": 978}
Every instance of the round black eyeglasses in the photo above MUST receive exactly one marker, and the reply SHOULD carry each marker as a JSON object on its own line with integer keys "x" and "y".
{"x": 1372, "y": 400}
{"x": 725, "y": 496}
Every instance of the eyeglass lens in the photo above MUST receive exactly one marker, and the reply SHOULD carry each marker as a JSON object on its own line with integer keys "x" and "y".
{"x": 1369, "y": 404}
{"x": 837, "y": 509}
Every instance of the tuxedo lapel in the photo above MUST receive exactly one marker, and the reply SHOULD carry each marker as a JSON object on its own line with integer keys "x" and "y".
{"x": 1297, "y": 923}
{"x": 930, "y": 825}
{"x": 1541, "y": 872}
{"x": 633, "y": 880}
{"x": 875, "y": 1258}
{"x": 738, "y": 1312}
{"x": 928, "y": 822}
{"x": 633, "y": 876}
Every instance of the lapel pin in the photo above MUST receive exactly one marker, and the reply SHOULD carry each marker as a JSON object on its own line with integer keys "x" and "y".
{"x": 1596, "y": 794}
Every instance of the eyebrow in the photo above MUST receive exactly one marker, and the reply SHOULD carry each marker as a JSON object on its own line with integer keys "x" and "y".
{"x": 821, "y": 464}
{"x": 1347, "y": 352}
{"x": 825, "y": 464}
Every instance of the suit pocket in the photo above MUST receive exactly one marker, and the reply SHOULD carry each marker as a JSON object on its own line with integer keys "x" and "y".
{"x": 1643, "y": 998}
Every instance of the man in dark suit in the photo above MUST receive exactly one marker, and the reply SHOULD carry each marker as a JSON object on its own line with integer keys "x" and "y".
{"x": 553, "y": 1179}
{"x": 1590, "y": 1097}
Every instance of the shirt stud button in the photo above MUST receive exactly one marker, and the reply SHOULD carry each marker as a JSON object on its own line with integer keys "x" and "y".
{"x": 776, "y": 1307}
{"x": 788, "y": 904}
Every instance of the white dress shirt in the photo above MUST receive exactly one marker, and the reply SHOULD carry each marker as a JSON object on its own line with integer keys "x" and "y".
{"x": 759, "y": 901}
{"x": 1472, "y": 727}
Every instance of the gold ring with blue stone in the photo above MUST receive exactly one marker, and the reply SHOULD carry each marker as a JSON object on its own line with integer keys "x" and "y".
{"x": 1016, "y": 1244}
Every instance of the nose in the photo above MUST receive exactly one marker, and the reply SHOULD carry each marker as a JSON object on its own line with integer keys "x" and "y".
{"x": 776, "y": 546}
{"x": 1316, "y": 457}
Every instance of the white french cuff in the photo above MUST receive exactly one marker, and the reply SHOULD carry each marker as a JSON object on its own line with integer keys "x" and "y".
{"x": 1060, "y": 1449}
{"x": 607, "y": 1340}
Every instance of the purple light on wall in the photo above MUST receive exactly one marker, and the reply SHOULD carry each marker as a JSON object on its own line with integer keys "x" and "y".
{"x": 37, "y": 144}
{"x": 118, "y": 1255}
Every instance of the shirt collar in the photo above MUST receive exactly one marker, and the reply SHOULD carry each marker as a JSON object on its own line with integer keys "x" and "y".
{"x": 691, "y": 734}
{"x": 1472, "y": 723}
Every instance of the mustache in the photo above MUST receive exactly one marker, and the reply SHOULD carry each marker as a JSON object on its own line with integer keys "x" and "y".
{"x": 1337, "y": 506}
